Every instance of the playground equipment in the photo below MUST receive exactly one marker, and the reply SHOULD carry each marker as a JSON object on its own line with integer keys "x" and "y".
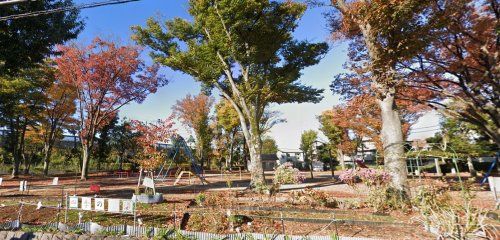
{"x": 416, "y": 157}
{"x": 179, "y": 145}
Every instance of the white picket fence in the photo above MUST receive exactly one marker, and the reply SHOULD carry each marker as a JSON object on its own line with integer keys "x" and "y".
{"x": 93, "y": 228}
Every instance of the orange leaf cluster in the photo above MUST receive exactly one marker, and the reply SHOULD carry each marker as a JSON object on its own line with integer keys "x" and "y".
{"x": 151, "y": 134}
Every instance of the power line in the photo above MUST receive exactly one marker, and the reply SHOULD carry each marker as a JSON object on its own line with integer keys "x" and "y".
{"x": 6, "y": 2}
{"x": 64, "y": 9}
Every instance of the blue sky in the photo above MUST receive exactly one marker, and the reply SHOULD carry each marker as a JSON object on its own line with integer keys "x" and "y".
{"x": 114, "y": 22}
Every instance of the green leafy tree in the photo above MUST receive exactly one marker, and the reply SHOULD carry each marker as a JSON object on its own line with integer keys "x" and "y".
{"x": 227, "y": 120}
{"x": 246, "y": 51}
{"x": 123, "y": 142}
{"x": 269, "y": 146}
{"x": 307, "y": 140}
{"x": 333, "y": 133}
{"x": 28, "y": 41}
{"x": 463, "y": 138}
{"x": 103, "y": 144}
{"x": 21, "y": 102}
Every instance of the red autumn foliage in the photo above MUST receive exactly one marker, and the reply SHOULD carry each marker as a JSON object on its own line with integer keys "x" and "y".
{"x": 360, "y": 119}
{"x": 461, "y": 64}
{"x": 150, "y": 156}
{"x": 106, "y": 77}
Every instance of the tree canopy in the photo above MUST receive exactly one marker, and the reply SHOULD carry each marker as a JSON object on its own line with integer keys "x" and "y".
{"x": 246, "y": 51}
{"x": 459, "y": 66}
{"x": 195, "y": 113}
{"x": 106, "y": 77}
{"x": 28, "y": 41}
{"x": 269, "y": 146}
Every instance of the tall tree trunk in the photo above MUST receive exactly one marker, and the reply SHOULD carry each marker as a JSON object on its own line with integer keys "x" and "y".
{"x": 26, "y": 161}
{"x": 20, "y": 150}
{"x": 15, "y": 168}
{"x": 245, "y": 153}
{"x": 340, "y": 157}
{"x": 16, "y": 157}
{"x": 392, "y": 141}
{"x": 251, "y": 133}
{"x": 255, "y": 167}
{"x": 231, "y": 150}
{"x": 47, "y": 153}
{"x": 46, "y": 159}
{"x": 85, "y": 161}
{"x": 311, "y": 167}
{"x": 472, "y": 171}
{"x": 120, "y": 162}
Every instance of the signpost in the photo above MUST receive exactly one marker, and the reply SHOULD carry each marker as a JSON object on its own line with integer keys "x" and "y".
{"x": 149, "y": 183}
{"x": 73, "y": 202}
{"x": 127, "y": 206}
{"x": 55, "y": 181}
{"x": 23, "y": 186}
{"x": 87, "y": 203}
{"x": 99, "y": 204}
{"x": 114, "y": 205}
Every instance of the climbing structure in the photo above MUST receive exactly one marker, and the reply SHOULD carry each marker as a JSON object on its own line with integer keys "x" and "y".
{"x": 179, "y": 145}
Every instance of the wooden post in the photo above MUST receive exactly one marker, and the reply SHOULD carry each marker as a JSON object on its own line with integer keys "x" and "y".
{"x": 19, "y": 214}
{"x": 175, "y": 217}
{"x": 438, "y": 167}
{"x": 282, "y": 223}
{"x": 66, "y": 213}
{"x": 135, "y": 214}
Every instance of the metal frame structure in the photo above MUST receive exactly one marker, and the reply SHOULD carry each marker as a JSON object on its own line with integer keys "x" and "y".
{"x": 178, "y": 145}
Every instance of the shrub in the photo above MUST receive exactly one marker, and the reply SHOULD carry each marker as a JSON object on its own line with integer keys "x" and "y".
{"x": 199, "y": 199}
{"x": 380, "y": 196}
{"x": 314, "y": 198}
{"x": 349, "y": 177}
{"x": 349, "y": 204}
{"x": 374, "y": 178}
{"x": 286, "y": 174}
{"x": 448, "y": 219}
{"x": 219, "y": 199}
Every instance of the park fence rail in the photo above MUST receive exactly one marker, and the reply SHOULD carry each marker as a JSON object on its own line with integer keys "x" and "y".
{"x": 141, "y": 231}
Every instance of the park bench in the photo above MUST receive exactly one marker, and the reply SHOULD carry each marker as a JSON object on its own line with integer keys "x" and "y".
{"x": 494, "y": 183}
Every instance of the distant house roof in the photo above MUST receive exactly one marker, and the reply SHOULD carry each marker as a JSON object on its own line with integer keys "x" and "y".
{"x": 268, "y": 157}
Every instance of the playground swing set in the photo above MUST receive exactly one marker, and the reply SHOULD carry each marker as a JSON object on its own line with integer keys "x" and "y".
{"x": 180, "y": 152}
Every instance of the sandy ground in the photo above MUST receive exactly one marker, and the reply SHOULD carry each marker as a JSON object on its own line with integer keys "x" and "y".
{"x": 181, "y": 197}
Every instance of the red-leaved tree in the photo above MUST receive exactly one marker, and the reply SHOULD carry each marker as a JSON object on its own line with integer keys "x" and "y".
{"x": 359, "y": 119}
{"x": 106, "y": 77}
{"x": 194, "y": 112}
{"x": 150, "y": 155}
{"x": 461, "y": 65}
